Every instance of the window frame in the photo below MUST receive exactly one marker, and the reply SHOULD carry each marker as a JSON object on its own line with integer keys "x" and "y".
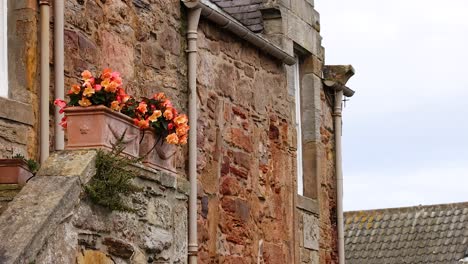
{"x": 298, "y": 123}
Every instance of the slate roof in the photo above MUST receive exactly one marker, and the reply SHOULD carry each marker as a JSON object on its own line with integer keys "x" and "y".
{"x": 421, "y": 234}
{"x": 246, "y": 12}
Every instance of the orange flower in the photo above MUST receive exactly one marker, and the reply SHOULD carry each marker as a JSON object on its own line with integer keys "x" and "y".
{"x": 168, "y": 114}
{"x": 142, "y": 124}
{"x": 75, "y": 89}
{"x": 115, "y": 105}
{"x": 172, "y": 138}
{"x": 181, "y": 119}
{"x": 182, "y": 130}
{"x": 105, "y": 83}
{"x": 183, "y": 140}
{"x": 84, "y": 102}
{"x": 142, "y": 107}
{"x": 112, "y": 87}
{"x": 159, "y": 96}
{"x": 88, "y": 91}
{"x": 106, "y": 73}
{"x": 156, "y": 114}
{"x": 125, "y": 98}
{"x": 86, "y": 75}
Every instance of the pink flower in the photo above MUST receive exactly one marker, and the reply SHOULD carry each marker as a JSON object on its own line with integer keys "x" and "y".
{"x": 63, "y": 122}
{"x": 60, "y": 103}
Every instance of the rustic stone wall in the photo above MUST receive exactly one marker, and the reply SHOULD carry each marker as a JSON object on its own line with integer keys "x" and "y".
{"x": 142, "y": 39}
{"x": 51, "y": 221}
{"x": 155, "y": 233}
{"x": 18, "y": 114}
{"x": 295, "y": 25}
{"x": 248, "y": 208}
{"x": 246, "y": 153}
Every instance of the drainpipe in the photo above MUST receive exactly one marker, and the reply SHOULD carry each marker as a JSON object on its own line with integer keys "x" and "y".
{"x": 45, "y": 75}
{"x": 339, "y": 173}
{"x": 193, "y": 19}
{"x": 58, "y": 66}
{"x": 335, "y": 77}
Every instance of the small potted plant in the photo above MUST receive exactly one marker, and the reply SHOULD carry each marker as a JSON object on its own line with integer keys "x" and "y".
{"x": 17, "y": 170}
{"x": 163, "y": 128}
{"x": 92, "y": 115}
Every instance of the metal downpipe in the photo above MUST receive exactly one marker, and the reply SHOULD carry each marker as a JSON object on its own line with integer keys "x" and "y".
{"x": 193, "y": 19}
{"x": 59, "y": 70}
{"x": 45, "y": 79}
{"x": 339, "y": 174}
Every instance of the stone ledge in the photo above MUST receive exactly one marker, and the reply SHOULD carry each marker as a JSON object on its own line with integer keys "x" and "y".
{"x": 34, "y": 214}
{"x": 81, "y": 163}
{"x": 16, "y": 111}
{"x": 307, "y": 204}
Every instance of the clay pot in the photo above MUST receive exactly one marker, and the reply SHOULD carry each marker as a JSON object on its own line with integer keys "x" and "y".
{"x": 100, "y": 127}
{"x": 14, "y": 171}
{"x": 159, "y": 154}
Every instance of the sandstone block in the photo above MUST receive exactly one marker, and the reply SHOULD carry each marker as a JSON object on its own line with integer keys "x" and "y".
{"x": 118, "y": 247}
{"x": 93, "y": 257}
{"x": 311, "y": 232}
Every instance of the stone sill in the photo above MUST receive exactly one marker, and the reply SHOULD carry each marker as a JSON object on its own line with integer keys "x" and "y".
{"x": 16, "y": 111}
{"x": 307, "y": 204}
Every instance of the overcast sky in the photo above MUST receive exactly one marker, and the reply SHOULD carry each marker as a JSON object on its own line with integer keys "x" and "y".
{"x": 405, "y": 130}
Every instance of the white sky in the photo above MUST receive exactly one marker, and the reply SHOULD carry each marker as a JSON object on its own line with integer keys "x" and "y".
{"x": 405, "y": 129}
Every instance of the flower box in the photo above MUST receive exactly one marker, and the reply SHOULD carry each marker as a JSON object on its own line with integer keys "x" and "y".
{"x": 100, "y": 127}
{"x": 157, "y": 153}
{"x": 14, "y": 171}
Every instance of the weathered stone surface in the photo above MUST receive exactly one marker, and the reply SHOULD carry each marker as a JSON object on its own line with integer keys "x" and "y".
{"x": 60, "y": 247}
{"x": 93, "y": 257}
{"x": 50, "y": 223}
{"x": 117, "y": 54}
{"x": 162, "y": 242}
{"x": 311, "y": 231}
{"x": 47, "y": 200}
{"x": 70, "y": 163}
{"x": 159, "y": 213}
{"x": 16, "y": 111}
{"x": 118, "y": 247}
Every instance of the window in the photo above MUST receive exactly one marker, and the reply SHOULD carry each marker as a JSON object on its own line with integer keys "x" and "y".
{"x": 3, "y": 49}
{"x": 297, "y": 97}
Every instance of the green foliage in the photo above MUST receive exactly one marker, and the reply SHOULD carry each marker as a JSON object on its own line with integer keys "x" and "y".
{"x": 113, "y": 179}
{"x": 33, "y": 166}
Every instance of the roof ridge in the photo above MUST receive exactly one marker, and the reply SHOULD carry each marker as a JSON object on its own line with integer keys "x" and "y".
{"x": 406, "y": 208}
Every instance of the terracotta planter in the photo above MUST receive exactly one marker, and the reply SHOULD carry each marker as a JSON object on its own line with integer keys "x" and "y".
{"x": 99, "y": 127}
{"x": 14, "y": 171}
{"x": 161, "y": 154}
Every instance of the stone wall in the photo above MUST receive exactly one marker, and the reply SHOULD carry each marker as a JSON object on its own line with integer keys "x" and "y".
{"x": 51, "y": 221}
{"x": 144, "y": 40}
{"x": 246, "y": 153}
{"x": 19, "y": 112}
{"x": 295, "y": 25}
{"x": 248, "y": 207}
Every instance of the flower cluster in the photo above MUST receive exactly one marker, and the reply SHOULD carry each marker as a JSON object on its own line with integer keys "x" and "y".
{"x": 156, "y": 112}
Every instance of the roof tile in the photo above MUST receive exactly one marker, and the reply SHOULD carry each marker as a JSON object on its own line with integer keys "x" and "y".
{"x": 422, "y": 234}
